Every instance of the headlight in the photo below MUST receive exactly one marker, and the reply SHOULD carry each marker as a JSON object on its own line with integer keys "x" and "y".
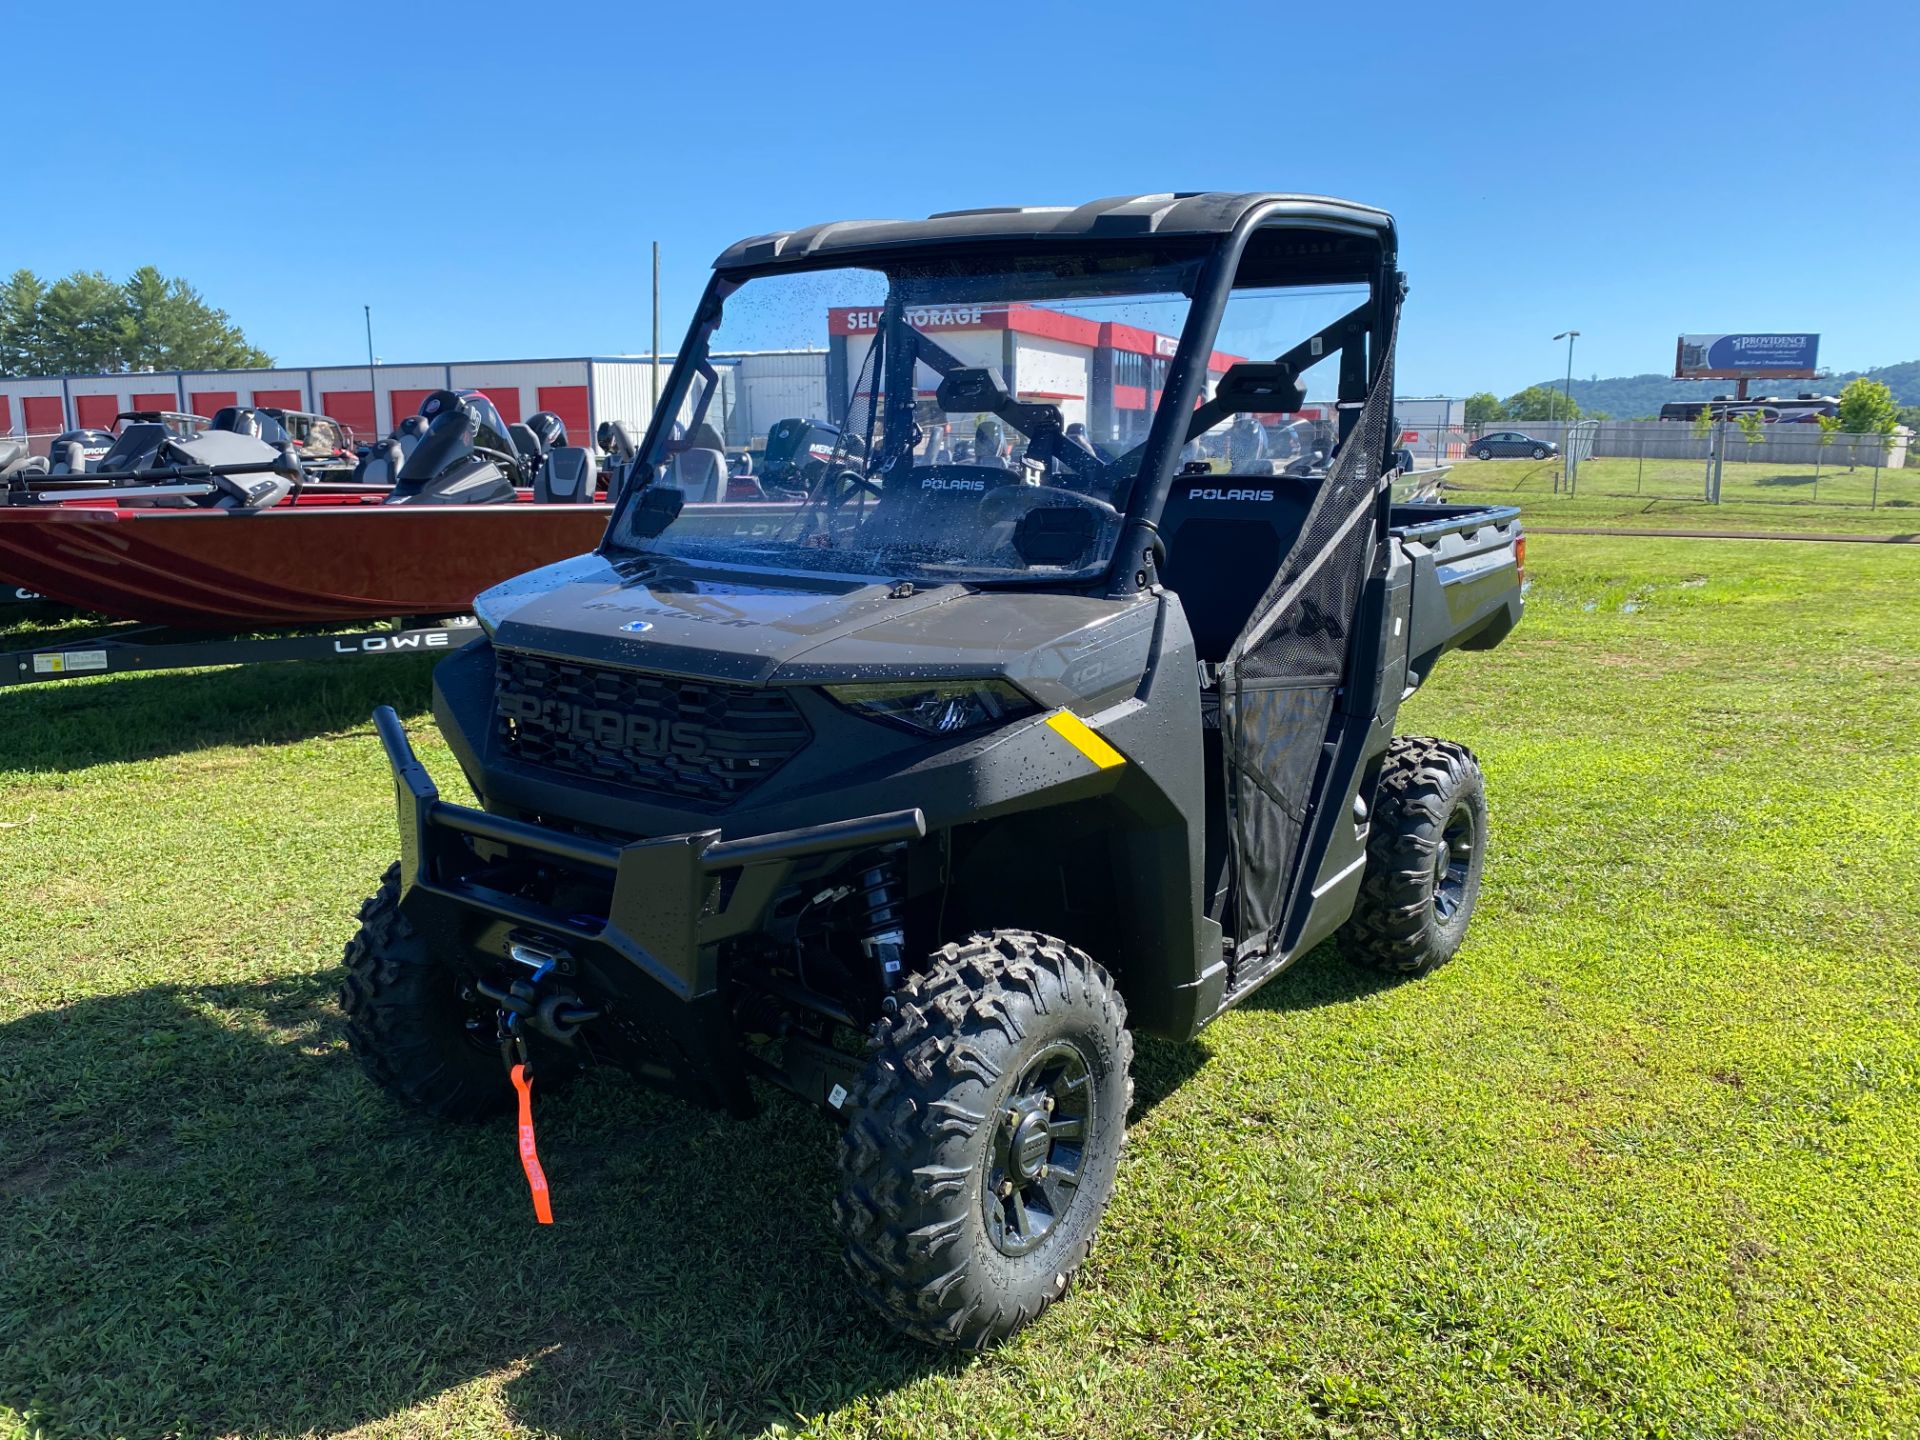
{"x": 951, "y": 708}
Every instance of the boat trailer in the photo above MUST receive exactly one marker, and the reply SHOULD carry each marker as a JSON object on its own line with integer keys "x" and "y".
{"x": 127, "y": 648}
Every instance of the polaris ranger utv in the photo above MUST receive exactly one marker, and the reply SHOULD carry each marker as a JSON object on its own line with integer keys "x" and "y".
{"x": 920, "y": 788}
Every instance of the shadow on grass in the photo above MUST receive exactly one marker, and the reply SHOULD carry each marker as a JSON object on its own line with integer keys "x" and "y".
{"x": 72, "y": 724}
{"x": 214, "y": 1224}
{"x": 1773, "y": 481}
{"x": 1321, "y": 977}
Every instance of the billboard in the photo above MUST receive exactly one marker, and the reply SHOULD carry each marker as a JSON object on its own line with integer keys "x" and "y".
{"x": 1742, "y": 357}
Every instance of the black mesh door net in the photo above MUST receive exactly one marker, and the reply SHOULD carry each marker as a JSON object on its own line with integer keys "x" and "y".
{"x": 1280, "y": 681}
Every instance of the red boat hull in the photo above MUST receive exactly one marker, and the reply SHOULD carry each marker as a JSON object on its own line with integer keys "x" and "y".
{"x": 302, "y": 564}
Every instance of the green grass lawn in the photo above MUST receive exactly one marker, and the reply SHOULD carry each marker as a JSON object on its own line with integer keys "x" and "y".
{"x": 1666, "y": 494}
{"x": 1644, "y": 1161}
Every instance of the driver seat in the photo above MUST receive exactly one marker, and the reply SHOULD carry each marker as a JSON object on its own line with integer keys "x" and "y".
{"x": 1226, "y": 536}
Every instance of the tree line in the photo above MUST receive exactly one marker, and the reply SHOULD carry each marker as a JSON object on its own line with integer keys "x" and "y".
{"x": 1867, "y": 407}
{"x": 90, "y": 324}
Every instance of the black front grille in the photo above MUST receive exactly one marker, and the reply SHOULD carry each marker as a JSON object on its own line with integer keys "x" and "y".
{"x": 691, "y": 741}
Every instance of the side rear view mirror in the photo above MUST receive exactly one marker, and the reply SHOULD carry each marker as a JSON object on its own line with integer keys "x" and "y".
{"x": 656, "y": 509}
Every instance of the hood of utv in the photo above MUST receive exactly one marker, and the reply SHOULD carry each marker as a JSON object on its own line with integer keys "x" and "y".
{"x": 703, "y": 622}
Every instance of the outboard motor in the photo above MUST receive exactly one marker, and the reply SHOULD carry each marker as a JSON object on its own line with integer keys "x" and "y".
{"x": 465, "y": 458}
{"x": 550, "y": 428}
{"x": 75, "y": 451}
{"x": 798, "y": 451}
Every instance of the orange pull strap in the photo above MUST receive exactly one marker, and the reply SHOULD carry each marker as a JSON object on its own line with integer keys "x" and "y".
{"x": 529, "y": 1158}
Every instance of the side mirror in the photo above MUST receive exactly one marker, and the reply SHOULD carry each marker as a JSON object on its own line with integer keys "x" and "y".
{"x": 656, "y": 509}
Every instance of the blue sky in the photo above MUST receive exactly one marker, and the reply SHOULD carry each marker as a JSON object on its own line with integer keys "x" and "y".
{"x": 489, "y": 178}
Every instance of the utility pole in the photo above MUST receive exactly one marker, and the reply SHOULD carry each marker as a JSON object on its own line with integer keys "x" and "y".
{"x": 1569, "y": 336}
{"x": 656, "y": 327}
{"x": 373, "y": 386}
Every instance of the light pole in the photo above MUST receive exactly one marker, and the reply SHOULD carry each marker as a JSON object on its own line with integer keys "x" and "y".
{"x": 1569, "y": 336}
{"x": 373, "y": 385}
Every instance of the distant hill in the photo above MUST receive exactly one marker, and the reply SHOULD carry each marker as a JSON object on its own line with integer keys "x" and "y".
{"x": 1626, "y": 396}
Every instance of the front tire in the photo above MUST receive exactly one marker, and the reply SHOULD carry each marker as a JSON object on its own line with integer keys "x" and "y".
{"x": 1425, "y": 854}
{"x": 1538, "y": 453}
{"x": 983, "y": 1138}
{"x": 1484, "y": 453}
{"x": 408, "y": 1022}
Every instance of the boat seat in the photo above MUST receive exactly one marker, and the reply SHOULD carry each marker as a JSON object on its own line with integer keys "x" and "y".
{"x": 1226, "y": 536}
{"x": 133, "y": 446}
{"x": 68, "y": 457}
{"x": 567, "y": 477}
{"x": 381, "y": 464}
{"x": 526, "y": 442}
{"x": 701, "y": 474}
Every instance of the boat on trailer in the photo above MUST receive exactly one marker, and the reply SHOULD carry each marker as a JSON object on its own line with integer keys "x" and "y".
{"x": 318, "y": 559}
{"x": 226, "y": 531}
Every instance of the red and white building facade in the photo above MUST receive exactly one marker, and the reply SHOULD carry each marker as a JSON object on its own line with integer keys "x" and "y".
{"x": 1102, "y": 374}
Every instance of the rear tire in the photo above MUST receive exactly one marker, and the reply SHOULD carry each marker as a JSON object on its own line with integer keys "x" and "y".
{"x": 1425, "y": 855}
{"x": 1484, "y": 453}
{"x": 983, "y": 1138}
{"x": 407, "y": 1020}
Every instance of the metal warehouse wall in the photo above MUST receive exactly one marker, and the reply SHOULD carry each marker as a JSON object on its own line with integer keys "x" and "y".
{"x": 771, "y": 388}
{"x": 623, "y": 390}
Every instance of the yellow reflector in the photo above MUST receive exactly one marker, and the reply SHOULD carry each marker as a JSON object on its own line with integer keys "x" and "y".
{"x": 1084, "y": 738}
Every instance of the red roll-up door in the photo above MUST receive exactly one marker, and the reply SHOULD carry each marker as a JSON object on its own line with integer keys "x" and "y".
{"x": 569, "y": 402}
{"x": 6, "y": 414}
{"x": 155, "y": 400}
{"x": 506, "y": 400}
{"x": 44, "y": 414}
{"x": 406, "y": 402}
{"x": 96, "y": 412}
{"x": 205, "y": 402}
{"x": 353, "y": 409}
{"x": 280, "y": 399}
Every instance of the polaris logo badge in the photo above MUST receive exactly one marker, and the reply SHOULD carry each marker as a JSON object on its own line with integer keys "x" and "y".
{"x": 637, "y": 627}
{"x": 1230, "y": 495}
{"x": 613, "y": 729}
{"x": 935, "y": 484}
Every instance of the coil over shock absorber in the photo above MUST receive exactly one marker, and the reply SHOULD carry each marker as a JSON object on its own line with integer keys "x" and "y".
{"x": 881, "y": 896}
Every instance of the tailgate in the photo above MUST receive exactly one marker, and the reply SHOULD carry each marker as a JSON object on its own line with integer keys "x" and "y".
{"x": 1466, "y": 562}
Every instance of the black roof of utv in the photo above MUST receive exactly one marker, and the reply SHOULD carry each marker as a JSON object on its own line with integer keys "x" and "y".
{"x": 1118, "y": 218}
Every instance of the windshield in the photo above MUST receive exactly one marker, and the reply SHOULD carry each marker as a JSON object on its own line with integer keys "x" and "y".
{"x": 975, "y": 423}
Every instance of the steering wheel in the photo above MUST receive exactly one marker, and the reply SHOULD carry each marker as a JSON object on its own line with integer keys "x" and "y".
{"x": 850, "y": 482}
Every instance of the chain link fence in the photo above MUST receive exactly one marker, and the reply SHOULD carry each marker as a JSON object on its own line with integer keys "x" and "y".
{"x": 1721, "y": 463}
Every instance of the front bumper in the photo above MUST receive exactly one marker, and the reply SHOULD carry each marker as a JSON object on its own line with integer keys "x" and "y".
{"x": 646, "y": 953}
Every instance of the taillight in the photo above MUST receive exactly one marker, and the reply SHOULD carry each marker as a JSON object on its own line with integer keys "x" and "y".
{"x": 1520, "y": 558}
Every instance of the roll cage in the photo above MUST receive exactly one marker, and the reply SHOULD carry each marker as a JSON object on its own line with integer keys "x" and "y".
{"x": 1242, "y": 242}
